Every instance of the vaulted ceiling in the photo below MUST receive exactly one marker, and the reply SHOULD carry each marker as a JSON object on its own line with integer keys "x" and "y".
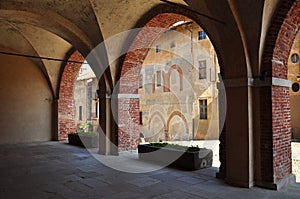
{"x": 52, "y": 28}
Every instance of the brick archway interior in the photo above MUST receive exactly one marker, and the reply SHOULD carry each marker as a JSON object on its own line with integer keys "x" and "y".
{"x": 276, "y": 147}
{"x": 66, "y": 106}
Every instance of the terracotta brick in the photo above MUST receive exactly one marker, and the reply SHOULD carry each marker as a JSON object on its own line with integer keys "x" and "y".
{"x": 66, "y": 108}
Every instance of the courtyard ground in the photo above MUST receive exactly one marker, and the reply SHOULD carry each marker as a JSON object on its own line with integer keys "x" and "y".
{"x": 59, "y": 170}
{"x": 296, "y": 160}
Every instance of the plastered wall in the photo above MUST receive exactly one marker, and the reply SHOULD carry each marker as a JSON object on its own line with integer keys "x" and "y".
{"x": 25, "y": 99}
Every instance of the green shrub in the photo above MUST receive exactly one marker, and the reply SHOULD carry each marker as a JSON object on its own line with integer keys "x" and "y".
{"x": 84, "y": 127}
{"x": 86, "y": 133}
{"x": 175, "y": 146}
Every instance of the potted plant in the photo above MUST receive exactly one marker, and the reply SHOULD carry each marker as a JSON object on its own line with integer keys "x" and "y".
{"x": 190, "y": 158}
{"x": 83, "y": 137}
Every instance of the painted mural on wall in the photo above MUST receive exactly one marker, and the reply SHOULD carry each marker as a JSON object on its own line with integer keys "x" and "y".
{"x": 178, "y": 86}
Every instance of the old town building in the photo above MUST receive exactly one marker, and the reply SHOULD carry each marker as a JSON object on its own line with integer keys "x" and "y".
{"x": 178, "y": 86}
{"x": 85, "y": 98}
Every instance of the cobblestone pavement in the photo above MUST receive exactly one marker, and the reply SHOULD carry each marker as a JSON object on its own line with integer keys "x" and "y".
{"x": 58, "y": 170}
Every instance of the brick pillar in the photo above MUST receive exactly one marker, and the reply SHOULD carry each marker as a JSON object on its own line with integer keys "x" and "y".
{"x": 282, "y": 135}
{"x": 66, "y": 107}
{"x": 128, "y": 121}
{"x": 66, "y": 118}
{"x": 275, "y": 164}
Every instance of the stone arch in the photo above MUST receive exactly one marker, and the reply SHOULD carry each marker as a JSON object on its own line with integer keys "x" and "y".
{"x": 275, "y": 164}
{"x": 168, "y": 78}
{"x": 65, "y": 103}
{"x": 178, "y": 113}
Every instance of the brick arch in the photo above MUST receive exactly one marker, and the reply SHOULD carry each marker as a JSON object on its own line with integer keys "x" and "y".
{"x": 140, "y": 47}
{"x": 168, "y": 77}
{"x": 161, "y": 16}
{"x": 159, "y": 20}
{"x": 130, "y": 71}
{"x": 279, "y": 41}
{"x": 66, "y": 106}
{"x": 178, "y": 113}
{"x": 275, "y": 100}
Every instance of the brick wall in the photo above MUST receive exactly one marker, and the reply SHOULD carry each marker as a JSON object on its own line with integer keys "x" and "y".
{"x": 128, "y": 123}
{"x": 275, "y": 101}
{"x": 281, "y": 126}
{"x": 66, "y": 107}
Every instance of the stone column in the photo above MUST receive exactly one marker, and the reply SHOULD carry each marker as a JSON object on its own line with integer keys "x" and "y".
{"x": 102, "y": 124}
{"x": 108, "y": 144}
{"x": 238, "y": 169}
{"x": 222, "y": 105}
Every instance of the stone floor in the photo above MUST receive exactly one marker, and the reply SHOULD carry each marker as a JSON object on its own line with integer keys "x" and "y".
{"x": 58, "y": 170}
{"x": 296, "y": 159}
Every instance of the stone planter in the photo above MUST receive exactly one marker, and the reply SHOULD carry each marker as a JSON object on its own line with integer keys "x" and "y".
{"x": 86, "y": 141}
{"x": 189, "y": 160}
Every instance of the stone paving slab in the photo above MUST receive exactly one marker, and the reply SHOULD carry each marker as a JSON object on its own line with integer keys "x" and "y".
{"x": 58, "y": 170}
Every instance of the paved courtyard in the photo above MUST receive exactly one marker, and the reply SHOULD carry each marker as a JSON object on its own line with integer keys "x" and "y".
{"x": 59, "y": 170}
{"x": 296, "y": 159}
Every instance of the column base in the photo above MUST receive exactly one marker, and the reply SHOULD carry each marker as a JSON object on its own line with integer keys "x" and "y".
{"x": 287, "y": 181}
{"x": 220, "y": 175}
{"x": 239, "y": 183}
{"x": 108, "y": 153}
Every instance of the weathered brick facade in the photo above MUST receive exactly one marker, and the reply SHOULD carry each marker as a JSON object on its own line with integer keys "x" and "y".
{"x": 66, "y": 107}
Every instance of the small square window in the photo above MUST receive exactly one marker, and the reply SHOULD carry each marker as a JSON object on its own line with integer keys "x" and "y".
{"x": 158, "y": 48}
{"x": 202, "y": 35}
